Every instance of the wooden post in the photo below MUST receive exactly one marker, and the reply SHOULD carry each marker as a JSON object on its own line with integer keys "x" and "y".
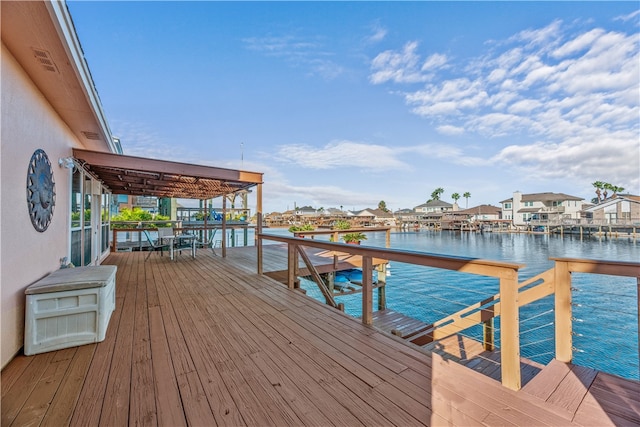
{"x": 488, "y": 337}
{"x": 564, "y": 342}
{"x": 258, "y": 241}
{"x": 388, "y": 238}
{"x": 224, "y": 226}
{"x": 510, "y": 326}
{"x": 292, "y": 262}
{"x": 115, "y": 241}
{"x": 367, "y": 291}
{"x": 382, "y": 288}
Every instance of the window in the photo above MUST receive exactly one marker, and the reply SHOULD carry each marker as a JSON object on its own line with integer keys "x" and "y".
{"x": 507, "y": 205}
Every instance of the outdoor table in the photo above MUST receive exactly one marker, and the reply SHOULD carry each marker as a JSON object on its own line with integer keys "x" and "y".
{"x": 174, "y": 243}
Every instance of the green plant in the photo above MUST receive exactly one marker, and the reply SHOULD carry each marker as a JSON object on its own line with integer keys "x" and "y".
{"x": 138, "y": 215}
{"x": 299, "y": 228}
{"x": 341, "y": 224}
{"x": 354, "y": 237}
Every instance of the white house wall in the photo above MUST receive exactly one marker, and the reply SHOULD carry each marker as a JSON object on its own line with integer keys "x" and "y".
{"x": 28, "y": 123}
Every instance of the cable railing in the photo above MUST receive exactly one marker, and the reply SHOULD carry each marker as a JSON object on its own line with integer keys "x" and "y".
{"x": 532, "y": 319}
{"x": 506, "y": 273}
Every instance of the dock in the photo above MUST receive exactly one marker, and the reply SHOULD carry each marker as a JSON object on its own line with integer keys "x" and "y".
{"x": 207, "y": 341}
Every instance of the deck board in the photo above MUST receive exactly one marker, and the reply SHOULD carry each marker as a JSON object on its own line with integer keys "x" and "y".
{"x": 206, "y": 341}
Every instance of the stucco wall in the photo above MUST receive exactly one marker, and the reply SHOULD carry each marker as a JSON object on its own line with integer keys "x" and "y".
{"x": 28, "y": 123}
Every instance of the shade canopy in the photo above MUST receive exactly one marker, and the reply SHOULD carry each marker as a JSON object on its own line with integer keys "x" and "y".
{"x": 139, "y": 176}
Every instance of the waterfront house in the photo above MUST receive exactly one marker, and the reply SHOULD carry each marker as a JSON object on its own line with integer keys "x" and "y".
{"x": 546, "y": 207}
{"x": 60, "y": 163}
{"x": 207, "y": 340}
{"x": 383, "y": 217}
{"x": 274, "y": 219}
{"x": 433, "y": 206}
{"x": 481, "y": 213}
{"x": 620, "y": 209}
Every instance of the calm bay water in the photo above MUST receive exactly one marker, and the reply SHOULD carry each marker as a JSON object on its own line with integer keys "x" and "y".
{"x": 606, "y": 329}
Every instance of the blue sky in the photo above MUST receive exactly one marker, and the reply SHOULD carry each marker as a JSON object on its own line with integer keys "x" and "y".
{"x": 350, "y": 103}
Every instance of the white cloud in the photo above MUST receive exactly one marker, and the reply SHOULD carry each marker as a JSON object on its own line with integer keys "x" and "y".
{"x": 304, "y": 52}
{"x": 434, "y": 61}
{"x": 378, "y": 33}
{"x": 450, "y": 130}
{"x": 341, "y": 154}
{"x": 543, "y": 38}
{"x": 398, "y": 67}
{"x": 575, "y": 92}
{"x": 577, "y": 44}
{"x": 629, "y": 17}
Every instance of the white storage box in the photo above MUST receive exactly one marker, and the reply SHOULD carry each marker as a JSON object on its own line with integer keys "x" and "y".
{"x": 69, "y": 307}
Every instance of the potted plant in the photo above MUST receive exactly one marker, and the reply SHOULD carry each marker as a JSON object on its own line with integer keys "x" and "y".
{"x": 297, "y": 229}
{"x": 354, "y": 238}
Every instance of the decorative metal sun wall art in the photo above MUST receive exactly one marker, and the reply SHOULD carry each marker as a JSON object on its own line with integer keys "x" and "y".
{"x": 41, "y": 191}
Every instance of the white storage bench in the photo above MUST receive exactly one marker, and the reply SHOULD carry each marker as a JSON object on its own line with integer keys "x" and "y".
{"x": 69, "y": 307}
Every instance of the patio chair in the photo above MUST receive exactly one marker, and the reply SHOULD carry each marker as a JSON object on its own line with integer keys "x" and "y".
{"x": 165, "y": 231}
{"x": 209, "y": 243}
{"x": 155, "y": 245}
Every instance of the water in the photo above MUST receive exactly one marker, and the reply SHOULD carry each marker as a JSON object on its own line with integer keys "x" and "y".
{"x": 606, "y": 329}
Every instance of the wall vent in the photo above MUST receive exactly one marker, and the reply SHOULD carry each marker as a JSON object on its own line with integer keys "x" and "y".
{"x": 90, "y": 135}
{"x": 44, "y": 59}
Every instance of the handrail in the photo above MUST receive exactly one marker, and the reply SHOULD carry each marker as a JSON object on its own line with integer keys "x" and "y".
{"x": 506, "y": 272}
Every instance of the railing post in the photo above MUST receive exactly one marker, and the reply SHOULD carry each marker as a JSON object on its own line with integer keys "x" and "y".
{"x": 382, "y": 286}
{"x": 564, "y": 341}
{"x": 292, "y": 263}
{"x": 367, "y": 291}
{"x": 510, "y": 330}
{"x": 488, "y": 337}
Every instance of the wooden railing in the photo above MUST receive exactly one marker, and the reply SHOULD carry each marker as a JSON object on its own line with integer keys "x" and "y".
{"x": 512, "y": 295}
{"x": 507, "y": 273}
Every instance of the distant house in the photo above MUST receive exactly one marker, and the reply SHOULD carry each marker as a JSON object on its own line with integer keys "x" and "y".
{"x": 482, "y": 213}
{"x": 619, "y": 209}
{"x": 306, "y": 211}
{"x": 362, "y": 218}
{"x": 523, "y": 208}
{"x": 383, "y": 218}
{"x": 433, "y": 206}
{"x": 274, "y": 219}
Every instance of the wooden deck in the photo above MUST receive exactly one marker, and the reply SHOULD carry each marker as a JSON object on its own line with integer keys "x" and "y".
{"x": 206, "y": 341}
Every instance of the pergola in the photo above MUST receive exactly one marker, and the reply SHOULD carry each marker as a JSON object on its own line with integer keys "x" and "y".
{"x": 139, "y": 176}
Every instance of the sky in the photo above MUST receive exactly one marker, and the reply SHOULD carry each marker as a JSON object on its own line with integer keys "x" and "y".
{"x": 346, "y": 104}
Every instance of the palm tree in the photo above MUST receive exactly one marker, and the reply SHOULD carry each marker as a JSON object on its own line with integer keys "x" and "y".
{"x": 598, "y": 185}
{"x": 383, "y": 206}
{"x": 437, "y": 193}
{"x": 466, "y": 196}
{"x": 609, "y": 187}
{"x": 617, "y": 190}
{"x": 455, "y": 197}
